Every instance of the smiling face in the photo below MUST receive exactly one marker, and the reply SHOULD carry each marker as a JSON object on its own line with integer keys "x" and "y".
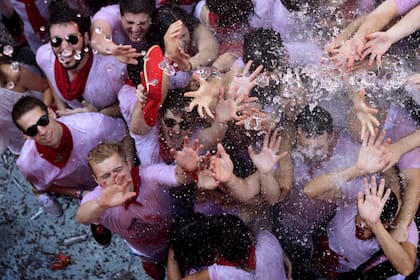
{"x": 68, "y": 44}
{"x": 174, "y": 128}
{"x": 106, "y": 171}
{"x": 49, "y": 135}
{"x": 135, "y": 26}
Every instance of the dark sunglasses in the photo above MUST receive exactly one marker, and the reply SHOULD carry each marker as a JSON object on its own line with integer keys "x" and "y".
{"x": 73, "y": 39}
{"x": 33, "y": 130}
{"x": 184, "y": 125}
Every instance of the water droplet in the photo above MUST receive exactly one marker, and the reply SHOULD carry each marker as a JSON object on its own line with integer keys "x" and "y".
{"x": 95, "y": 51}
{"x": 108, "y": 51}
{"x": 42, "y": 28}
{"x": 153, "y": 82}
{"x": 143, "y": 53}
{"x": 108, "y": 37}
{"x": 98, "y": 30}
{"x": 79, "y": 15}
{"x": 14, "y": 66}
{"x": 78, "y": 55}
{"x": 86, "y": 49}
{"x": 262, "y": 80}
{"x": 8, "y": 50}
{"x": 10, "y": 85}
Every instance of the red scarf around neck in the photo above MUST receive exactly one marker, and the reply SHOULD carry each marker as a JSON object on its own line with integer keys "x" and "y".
{"x": 249, "y": 263}
{"x": 60, "y": 155}
{"x": 74, "y": 89}
{"x": 38, "y": 22}
{"x": 135, "y": 176}
{"x": 164, "y": 150}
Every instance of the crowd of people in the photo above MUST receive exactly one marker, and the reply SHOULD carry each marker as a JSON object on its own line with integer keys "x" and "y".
{"x": 241, "y": 139}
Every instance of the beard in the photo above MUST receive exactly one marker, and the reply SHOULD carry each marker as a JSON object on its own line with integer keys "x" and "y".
{"x": 77, "y": 57}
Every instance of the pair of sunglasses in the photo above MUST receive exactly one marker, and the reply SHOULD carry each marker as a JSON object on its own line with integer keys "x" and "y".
{"x": 72, "y": 39}
{"x": 184, "y": 125}
{"x": 33, "y": 130}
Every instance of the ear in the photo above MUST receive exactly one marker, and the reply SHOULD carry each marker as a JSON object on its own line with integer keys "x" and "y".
{"x": 51, "y": 114}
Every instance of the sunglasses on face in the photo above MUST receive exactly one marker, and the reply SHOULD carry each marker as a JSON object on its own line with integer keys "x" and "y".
{"x": 72, "y": 39}
{"x": 184, "y": 125}
{"x": 33, "y": 130}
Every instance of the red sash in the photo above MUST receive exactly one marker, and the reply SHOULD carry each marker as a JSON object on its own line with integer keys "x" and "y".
{"x": 74, "y": 89}
{"x": 35, "y": 18}
{"x": 164, "y": 150}
{"x": 60, "y": 155}
{"x": 135, "y": 176}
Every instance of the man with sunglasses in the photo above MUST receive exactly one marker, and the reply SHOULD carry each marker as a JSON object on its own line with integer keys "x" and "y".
{"x": 54, "y": 156}
{"x": 81, "y": 80}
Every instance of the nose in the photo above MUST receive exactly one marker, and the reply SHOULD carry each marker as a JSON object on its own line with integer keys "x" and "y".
{"x": 176, "y": 129}
{"x": 135, "y": 28}
{"x": 42, "y": 130}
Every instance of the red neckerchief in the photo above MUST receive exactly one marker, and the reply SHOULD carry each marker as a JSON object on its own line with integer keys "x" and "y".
{"x": 60, "y": 155}
{"x": 35, "y": 18}
{"x": 249, "y": 263}
{"x": 135, "y": 176}
{"x": 165, "y": 151}
{"x": 74, "y": 89}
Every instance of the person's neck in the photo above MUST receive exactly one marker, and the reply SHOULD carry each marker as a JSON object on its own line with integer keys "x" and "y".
{"x": 60, "y": 133}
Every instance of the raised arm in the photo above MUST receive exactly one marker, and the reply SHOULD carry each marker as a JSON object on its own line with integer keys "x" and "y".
{"x": 112, "y": 196}
{"x": 208, "y": 47}
{"x": 242, "y": 189}
{"x": 265, "y": 162}
{"x": 370, "y": 206}
{"x": 380, "y": 42}
{"x": 372, "y": 158}
{"x": 102, "y": 42}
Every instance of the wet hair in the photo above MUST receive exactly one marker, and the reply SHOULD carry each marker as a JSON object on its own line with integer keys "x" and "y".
{"x": 178, "y": 104}
{"x": 235, "y": 249}
{"x": 104, "y": 151}
{"x": 61, "y": 13}
{"x": 194, "y": 240}
{"x": 390, "y": 208}
{"x": 315, "y": 122}
{"x": 137, "y": 7}
{"x": 163, "y": 17}
{"x": 231, "y": 12}
{"x": 197, "y": 240}
{"x": 264, "y": 47}
{"x": 24, "y": 105}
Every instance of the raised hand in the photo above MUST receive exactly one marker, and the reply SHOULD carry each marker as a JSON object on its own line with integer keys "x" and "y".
{"x": 243, "y": 82}
{"x": 221, "y": 165}
{"x": 141, "y": 95}
{"x": 372, "y": 155}
{"x": 116, "y": 193}
{"x": 349, "y": 52}
{"x": 205, "y": 96}
{"x": 125, "y": 54}
{"x": 365, "y": 114}
{"x": 267, "y": 158}
{"x": 378, "y": 44}
{"x": 370, "y": 204}
{"x": 206, "y": 180}
{"x": 228, "y": 109}
{"x": 189, "y": 157}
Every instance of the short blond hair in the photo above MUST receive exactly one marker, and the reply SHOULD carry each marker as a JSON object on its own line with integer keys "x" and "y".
{"x": 104, "y": 151}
